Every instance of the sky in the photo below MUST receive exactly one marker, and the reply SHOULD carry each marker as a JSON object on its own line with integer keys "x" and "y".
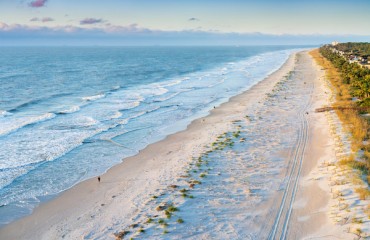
{"x": 182, "y": 22}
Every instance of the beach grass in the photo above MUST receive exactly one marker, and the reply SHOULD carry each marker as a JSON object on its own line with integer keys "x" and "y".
{"x": 363, "y": 193}
{"x": 121, "y": 235}
{"x": 194, "y": 171}
{"x": 352, "y": 120}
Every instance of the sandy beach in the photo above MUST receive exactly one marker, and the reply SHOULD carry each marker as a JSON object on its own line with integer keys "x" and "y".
{"x": 251, "y": 169}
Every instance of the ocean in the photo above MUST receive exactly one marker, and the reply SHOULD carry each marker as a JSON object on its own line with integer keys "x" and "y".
{"x": 70, "y": 113}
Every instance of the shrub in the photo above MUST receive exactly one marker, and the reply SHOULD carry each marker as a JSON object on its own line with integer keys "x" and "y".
{"x": 364, "y": 193}
{"x": 121, "y": 235}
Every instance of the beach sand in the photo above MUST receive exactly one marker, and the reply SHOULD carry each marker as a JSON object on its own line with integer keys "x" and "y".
{"x": 311, "y": 218}
{"x": 262, "y": 186}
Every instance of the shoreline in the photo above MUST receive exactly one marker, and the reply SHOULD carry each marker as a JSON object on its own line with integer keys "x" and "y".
{"x": 100, "y": 209}
{"x": 78, "y": 157}
{"x": 65, "y": 202}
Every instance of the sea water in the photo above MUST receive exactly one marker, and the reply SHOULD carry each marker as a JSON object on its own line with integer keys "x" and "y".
{"x": 70, "y": 113}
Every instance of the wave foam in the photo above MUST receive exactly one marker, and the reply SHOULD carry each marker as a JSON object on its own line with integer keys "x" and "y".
{"x": 93, "y": 98}
{"x": 70, "y": 110}
{"x": 4, "y": 113}
{"x": 18, "y": 123}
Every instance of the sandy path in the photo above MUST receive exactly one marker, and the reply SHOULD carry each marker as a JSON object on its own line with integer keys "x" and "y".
{"x": 260, "y": 192}
{"x": 281, "y": 225}
{"x": 310, "y": 218}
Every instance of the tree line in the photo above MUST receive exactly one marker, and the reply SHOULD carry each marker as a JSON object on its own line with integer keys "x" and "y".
{"x": 353, "y": 74}
{"x": 359, "y": 48}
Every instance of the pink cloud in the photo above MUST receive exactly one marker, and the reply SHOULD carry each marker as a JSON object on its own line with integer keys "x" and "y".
{"x": 91, "y": 21}
{"x": 17, "y": 27}
{"x": 103, "y": 29}
{"x": 38, "y": 3}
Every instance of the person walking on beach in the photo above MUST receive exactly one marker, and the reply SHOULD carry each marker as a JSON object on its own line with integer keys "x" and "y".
{"x": 98, "y": 178}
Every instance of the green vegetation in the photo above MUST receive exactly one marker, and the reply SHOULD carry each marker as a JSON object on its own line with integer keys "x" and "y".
{"x": 172, "y": 208}
{"x": 352, "y": 74}
{"x": 168, "y": 213}
{"x": 363, "y": 193}
{"x": 198, "y": 169}
{"x": 162, "y": 222}
{"x": 361, "y": 48}
{"x": 349, "y": 81}
{"x": 184, "y": 190}
{"x": 121, "y": 235}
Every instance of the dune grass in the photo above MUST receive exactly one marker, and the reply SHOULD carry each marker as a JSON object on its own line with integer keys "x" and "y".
{"x": 351, "y": 119}
{"x": 353, "y": 122}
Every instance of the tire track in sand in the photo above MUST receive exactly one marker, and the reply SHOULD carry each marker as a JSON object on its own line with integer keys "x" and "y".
{"x": 281, "y": 224}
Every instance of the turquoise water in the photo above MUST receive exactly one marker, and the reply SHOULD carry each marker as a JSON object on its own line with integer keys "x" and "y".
{"x": 70, "y": 113}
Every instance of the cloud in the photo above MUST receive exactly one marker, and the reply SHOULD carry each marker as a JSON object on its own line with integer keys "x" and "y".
{"x": 194, "y": 19}
{"x": 88, "y": 21}
{"x": 38, "y": 3}
{"x": 47, "y": 19}
{"x": 112, "y": 35}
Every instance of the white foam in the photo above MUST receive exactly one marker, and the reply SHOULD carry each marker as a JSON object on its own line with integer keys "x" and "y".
{"x": 161, "y": 99}
{"x": 153, "y": 90}
{"x": 116, "y": 115}
{"x": 93, "y": 98}
{"x": 10, "y": 125}
{"x": 4, "y": 113}
{"x": 71, "y": 110}
{"x": 41, "y": 145}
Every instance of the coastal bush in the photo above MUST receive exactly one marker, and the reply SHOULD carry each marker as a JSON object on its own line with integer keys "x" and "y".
{"x": 358, "y": 232}
{"x": 172, "y": 208}
{"x": 364, "y": 193}
{"x": 367, "y": 211}
{"x": 196, "y": 182}
{"x": 121, "y": 235}
{"x": 168, "y": 214}
{"x": 184, "y": 190}
{"x": 162, "y": 222}
{"x": 351, "y": 83}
